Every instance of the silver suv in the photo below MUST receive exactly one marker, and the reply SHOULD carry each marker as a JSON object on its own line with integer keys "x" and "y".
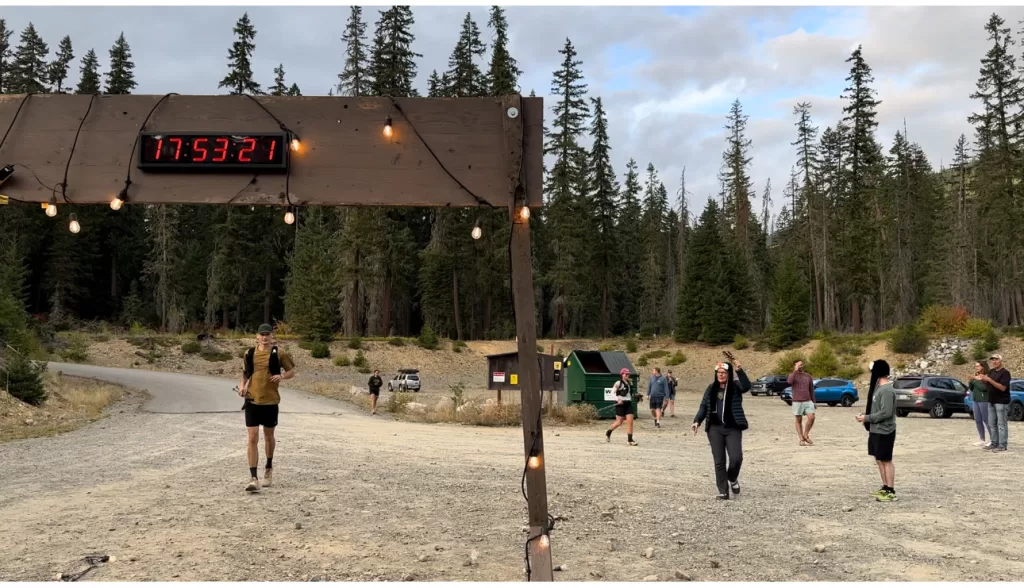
{"x": 405, "y": 381}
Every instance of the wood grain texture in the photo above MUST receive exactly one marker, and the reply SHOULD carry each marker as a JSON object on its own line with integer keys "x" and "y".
{"x": 344, "y": 160}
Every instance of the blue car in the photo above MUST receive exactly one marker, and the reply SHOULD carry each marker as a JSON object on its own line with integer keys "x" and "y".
{"x": 1016, "y": 411}
{"x": 830, "y": 391}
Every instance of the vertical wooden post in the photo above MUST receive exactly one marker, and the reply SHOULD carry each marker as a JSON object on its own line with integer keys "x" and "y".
{"x": 526, "y": 335}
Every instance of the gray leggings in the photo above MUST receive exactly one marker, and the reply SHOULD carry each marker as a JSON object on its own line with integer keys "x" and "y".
{"x": 981, "y": 419}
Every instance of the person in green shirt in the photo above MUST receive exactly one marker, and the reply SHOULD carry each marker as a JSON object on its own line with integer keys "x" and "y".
{"x": 979, "y": 396}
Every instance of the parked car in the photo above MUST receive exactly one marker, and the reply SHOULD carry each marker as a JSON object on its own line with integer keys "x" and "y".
{"x": 830, "y": 391}
{"x": 1016, "y": 412}
{"x": 939, "y": 396}
{"x": 406, "y": 381}
{"x": 769, "y": 385}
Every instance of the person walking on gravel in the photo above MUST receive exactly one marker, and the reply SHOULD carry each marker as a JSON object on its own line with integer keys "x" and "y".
{"x": 722, "y": 407}
{"x": 657, "y": 391}
{"x": 997, "y": 380}
{"x": 881, "y": 424}
{"x": 263, "y": 368}
{"x": 374, "y": 385}
{"x": 979, "y": 397}
{"x": 673, "y": 383}
{"x": 623, "y": 391}
{"x": 803, "y": 402}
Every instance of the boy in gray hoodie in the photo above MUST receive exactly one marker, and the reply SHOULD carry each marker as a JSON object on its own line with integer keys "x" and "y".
{"x": 657, "y": 390}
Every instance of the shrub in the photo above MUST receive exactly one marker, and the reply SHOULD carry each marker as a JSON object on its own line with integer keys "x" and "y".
{"x": 26, "y": 379}
{"x": 307, "y": 345}
{"x": 427, "y": 338}
{"x": 320, "y": 350}
{"x": 822, "y": 363}
{"x": 944, "y": 320}
{"x": 191, "y": 347}
{"x": 77, "y": 350}
{"x": 677, "y": 358}
{"x": 657, "y": 354}
{"x": 606, "y": 347}
{"x": 978, "y": 352}
{"x": 342, "y": 361}
{"x": 396, "y": 342}
{"x": 641, "y": 361}
{"x": 397, "y": 402}
{"x": 850, "y": 371}
{"x": 364, "y": 370}
{"x": 574, "y": 414}
{"x": 784, "y": 365}
{"x": 740, "y": 342}
{"x": 360, "y": 361}
{"x": 975, "y": 328}
{"x": 908, "y": 339}
{"x": 208, "y": 353}
{"x": 458, "y": 394}
{"x": 458, "y": 346}
{"x": 959, "y": 358}
{"x": 355, "y": 343}
{"x": 540, "y": 348}
{"x": 991, "y": 341}
{"x": 646, "y": 332}
{"x": 630, "y": 345}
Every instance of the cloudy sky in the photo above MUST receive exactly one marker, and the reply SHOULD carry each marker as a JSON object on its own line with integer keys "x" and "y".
{"x": 667, "y": 74}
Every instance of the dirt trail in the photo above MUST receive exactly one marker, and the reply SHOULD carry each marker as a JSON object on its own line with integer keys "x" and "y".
{"x": 163, "y": 494}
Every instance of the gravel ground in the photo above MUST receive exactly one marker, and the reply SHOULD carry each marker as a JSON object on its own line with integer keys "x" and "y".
{"x": 364, "y": 498}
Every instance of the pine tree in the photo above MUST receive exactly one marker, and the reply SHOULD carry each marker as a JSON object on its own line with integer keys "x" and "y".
{"x": 29, "y": 71}
{"x": 354, "y": 80}
{"x": 629, "y": 236}
{"x": 392, "y": 60}
{"x": 279, "y": 88}
{"x": 734, "y": 177}
{"x": 653, "y": 240}
{"x": 293, "y": 90}
{"x": 789, "y": 304}
{"x": 311, "y": 304}
{"x": 809, "y": 204}
{"x": 6, "y": 55}
{"x": 121, "y": 77}
{"x": 89, "y": 80}
{"x": 603, "y": 204}
{"x": 465, "y": 78}
{"x": 59, "y": 66}
{"x": 504, "y": 71}
{"x": 239, "y": 79}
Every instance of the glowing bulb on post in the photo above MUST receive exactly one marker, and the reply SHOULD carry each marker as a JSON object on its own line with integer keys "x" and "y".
{"x": 289, "y": 217}
{"x": 116, "y": 203}
{"x": 524, "y": 213}
{"x": 534, "y": 462}
{"x": 74, "y": 226}
{"x": 544, "y": 542}
{"x": 388, "y": 130}
{"x": 295, "y": 145}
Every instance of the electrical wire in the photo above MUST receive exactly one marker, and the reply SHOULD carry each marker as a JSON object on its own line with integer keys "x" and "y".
{"x": 283, "y": 127}
{"x": 478, "y": 199}
{"x": 64, "y": 184}
{"x": 251, "y": 181}
{"x": 24, "y": 99}
{"x": 128, "y": 177}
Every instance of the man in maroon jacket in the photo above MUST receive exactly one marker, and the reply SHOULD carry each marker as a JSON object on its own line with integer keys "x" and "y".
{"x": 803, "y": 401}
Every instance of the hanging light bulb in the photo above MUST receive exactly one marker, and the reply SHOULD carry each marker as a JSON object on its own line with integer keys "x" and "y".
{"x": 296, "y": 144}
{"x": 388, "y": 130}
{"x": 119, "y": 200}
{"x": 74, "y": 226}
{"x": 289, "y": 217}
{"x": 544, "y": 542}
{"x": 524, "y": 213}
{"x": 51, "y": 208}
{"x": 477, "y": 230}
{"x": 534, "y": 461}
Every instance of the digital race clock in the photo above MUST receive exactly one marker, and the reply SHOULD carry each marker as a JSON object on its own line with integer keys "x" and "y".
{"x": 212, "y": 152}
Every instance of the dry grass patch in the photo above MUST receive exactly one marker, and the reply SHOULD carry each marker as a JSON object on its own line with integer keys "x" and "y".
{"x": 71, "y": 403}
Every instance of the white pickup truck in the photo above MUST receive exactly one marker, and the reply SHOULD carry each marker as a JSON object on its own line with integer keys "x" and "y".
{"x": 405, "y": 381}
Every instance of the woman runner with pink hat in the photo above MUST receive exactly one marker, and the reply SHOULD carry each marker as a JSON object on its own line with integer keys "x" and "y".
{"x": 623, "y": 406}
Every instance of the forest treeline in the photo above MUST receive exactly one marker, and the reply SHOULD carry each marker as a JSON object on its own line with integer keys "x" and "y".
{"x": 869, "y": 235}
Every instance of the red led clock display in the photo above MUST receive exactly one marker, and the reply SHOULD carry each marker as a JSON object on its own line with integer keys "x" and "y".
{"x": 213, "y": 152}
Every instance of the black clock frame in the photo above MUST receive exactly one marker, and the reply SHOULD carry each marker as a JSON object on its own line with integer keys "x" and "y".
{"x": 210, "y": 167}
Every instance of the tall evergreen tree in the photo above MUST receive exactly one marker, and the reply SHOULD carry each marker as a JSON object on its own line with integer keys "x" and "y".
{"x": 629, "y": 230}
{"x": 293, "y": 90}
{"x": 5, "y": 57}
{"x": 392, "y": 60}
{"x": 121, "y": 77}
{"x": 29, "y": 71}
{"x": 311, "y": 304}
{"x": 239, "y": 79}
{"x": 354, "y": 79}
{"x": 603, "y": 205}
{"x": 279, "y": 88}
{"x": 465, "y": 79}
{"x": 504, "y": 71}
{"x": 789, "y": 304}
{"x": 89, "y": 74}
{"x": 59, "y": 66}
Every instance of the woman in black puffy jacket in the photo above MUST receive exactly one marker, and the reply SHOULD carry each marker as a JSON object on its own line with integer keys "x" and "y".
{"x": 722, "y": 406}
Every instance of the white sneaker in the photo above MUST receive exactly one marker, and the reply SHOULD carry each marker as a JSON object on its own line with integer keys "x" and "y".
{"x": 987, "y": 445}
{"x": 979, "y": 443}
{"x": 268, "y": 477}
{"x": 254, "y": 485}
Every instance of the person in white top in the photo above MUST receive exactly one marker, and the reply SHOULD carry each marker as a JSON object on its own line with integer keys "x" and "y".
{"x": 623, "y": 406}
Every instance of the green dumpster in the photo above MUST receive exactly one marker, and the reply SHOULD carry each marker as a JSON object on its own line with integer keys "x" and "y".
{"x": 590, "y": 375}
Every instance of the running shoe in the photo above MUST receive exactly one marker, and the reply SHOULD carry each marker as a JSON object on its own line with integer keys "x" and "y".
{"x": 254, "y": 485}
{"x": 633, "y": 443}
{"x": 879, "y": 492}
{"x": 735, "y": 487}
{"x": 723, "y": 497}
{"x": 268, "y": 477}
{"x": 887, "y": 497}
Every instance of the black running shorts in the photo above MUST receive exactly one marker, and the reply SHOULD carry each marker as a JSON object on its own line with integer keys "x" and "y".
{"x": 621, "y": 410}
{"x": 260, "y": 415}
{"x": 656, "y": 403}
{"x": 880, "y": 446}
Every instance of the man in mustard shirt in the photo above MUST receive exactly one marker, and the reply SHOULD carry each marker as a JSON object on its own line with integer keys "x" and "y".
{"x": 263, "y": 368}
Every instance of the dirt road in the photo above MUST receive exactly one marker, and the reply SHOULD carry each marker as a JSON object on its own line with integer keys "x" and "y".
{"x": 363, "y": 498}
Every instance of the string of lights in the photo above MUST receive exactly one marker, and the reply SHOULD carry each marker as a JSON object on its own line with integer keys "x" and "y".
{"x": 122, "y": 196}
{"x": 294, "y": 143}
{"x": 71, "y": 155}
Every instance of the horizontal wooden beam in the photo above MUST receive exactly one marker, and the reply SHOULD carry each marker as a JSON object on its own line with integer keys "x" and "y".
{"x": 344, "y": 159}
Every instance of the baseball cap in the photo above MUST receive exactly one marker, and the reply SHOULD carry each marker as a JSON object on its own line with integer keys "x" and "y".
{"x": 264, "y": 329}
{"x": 996, "y": 356}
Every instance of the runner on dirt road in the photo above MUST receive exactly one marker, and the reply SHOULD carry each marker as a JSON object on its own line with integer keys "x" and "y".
{"x": 374, "y": 385}
{"x": 263, "y": 369}
{"x": 623, "y": 406}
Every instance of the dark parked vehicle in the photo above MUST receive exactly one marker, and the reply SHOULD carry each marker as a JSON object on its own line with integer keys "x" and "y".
{"x": 1016, "y": 408}
{"x": 769, "y": 385}
{"x": 830, "y": 391}
{"x": 939, "y": 396}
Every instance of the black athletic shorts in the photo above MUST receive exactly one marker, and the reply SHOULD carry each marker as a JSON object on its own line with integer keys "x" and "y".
{"x": 880, "y": 446}
{"x": 257, "y": 415}
{"x": 655, "y": 403}
{"x": 375, "y": 393}
{"x": 621, "y": 410}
